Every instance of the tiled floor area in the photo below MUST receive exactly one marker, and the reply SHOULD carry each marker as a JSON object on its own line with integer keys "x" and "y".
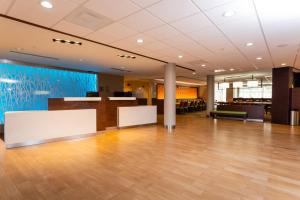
{"x": 203, "y": 159}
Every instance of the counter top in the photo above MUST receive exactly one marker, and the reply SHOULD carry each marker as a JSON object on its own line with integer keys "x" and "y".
{"x": 122, "y": 98}
{"x": 82, "y": 99}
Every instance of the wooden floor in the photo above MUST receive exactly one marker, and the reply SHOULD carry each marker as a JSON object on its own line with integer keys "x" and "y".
{"x": 204, "y": 160}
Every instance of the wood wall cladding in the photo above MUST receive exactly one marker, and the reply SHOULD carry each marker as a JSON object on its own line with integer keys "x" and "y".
{"x": 111, "y": 111}
{"x": 281, "y": 97}
{"x": 254, "y": 111}
{"x": 106, "y": 109}
{"x": 295, "y": 98}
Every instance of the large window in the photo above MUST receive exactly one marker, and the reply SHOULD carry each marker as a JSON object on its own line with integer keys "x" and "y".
{"x": 257, "y": 92}
{"x": 220, "y": 93}
{"x": 28, "y": 88}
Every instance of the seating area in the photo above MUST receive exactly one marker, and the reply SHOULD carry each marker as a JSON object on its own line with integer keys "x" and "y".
{"x": 188, "y": 106}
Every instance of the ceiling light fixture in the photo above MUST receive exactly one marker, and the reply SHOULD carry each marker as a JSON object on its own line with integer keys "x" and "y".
{"x": 46, "y": 4}
{"x": 180, "y": 56}
{"x": 194, "y": 73}
{"x": 219, "y": 70}
{"x": 249, "y": 44}
{"x": 66, "y": 41}
{"x": 259, "y": 58}
{"x": 203, "y": 65}
{"x": 231, "y": 69}
{"x": 140, "y": 40}
{"x": 283, "y": 64}
{"x": 126, "y": 56}
{"x": 229, "y": 13}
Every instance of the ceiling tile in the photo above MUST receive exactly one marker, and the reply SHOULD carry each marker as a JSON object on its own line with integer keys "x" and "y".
{"x": 171, "y": 10}
{"x": 141, "y": 21}
{"x": 117, "y": 31}
{"x": 145, "y": 3}
{"x": 131, "y": 42}
{"x": 156, "y": 46}
{"x": 40, "y": 15}
{"x": 102, "y": 37}
{"x": 192, "y": 23}
{"x": 114, "y": 9}
{"x": 4, "y": 5}
{"x": 209, "y": 4}
{"x": 211, "y": 38}
{"x": 163, "y": 32}
{"x": 72, "y": 28}
{"x": 242, "y": 9}
{"x": 78, "y": 1}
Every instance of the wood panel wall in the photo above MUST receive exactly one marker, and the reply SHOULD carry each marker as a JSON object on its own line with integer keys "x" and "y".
{"x": 106, "y": 109}
{"x": 295, "y": 98}
{"x": 281, "y": 97}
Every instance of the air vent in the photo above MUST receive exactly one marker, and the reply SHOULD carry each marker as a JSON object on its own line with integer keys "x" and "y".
{"x": 35, "y": 55}
{"x": 88, "y": 19}
{"x": 122, "y": 70}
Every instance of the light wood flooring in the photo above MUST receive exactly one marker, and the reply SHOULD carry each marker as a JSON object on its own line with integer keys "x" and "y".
{"x": 203, "y": 159}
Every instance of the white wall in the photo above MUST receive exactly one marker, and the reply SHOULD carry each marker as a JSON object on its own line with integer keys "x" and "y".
{"x": 32, "y": 127}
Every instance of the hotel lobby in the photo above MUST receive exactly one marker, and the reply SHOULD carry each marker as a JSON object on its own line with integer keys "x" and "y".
{"x": 150, "y": 99}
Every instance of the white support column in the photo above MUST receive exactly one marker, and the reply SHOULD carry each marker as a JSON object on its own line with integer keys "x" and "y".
{"x": 170, "y": 96}
{"x": 210, "y": 93}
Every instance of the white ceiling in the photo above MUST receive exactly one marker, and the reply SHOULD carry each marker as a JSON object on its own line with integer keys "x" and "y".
{"x": 195, "y": 29}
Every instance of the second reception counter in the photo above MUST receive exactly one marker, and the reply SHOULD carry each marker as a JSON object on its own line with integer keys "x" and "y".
{"x": 106, "y": 108}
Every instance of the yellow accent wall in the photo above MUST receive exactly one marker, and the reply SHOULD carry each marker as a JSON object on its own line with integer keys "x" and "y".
{"x": 142, "y": 89}
{"x": 181, "y": 92}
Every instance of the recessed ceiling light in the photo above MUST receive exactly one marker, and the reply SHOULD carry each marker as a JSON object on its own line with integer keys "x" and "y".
{"x": 229, "y": 13}
{"x": 140, "y": 41}
{"x": 203, "y": 65}
{"x": 249, "y": 44}
{"x": 194, "y": 73}
{"x": 46, "y": 4}
{"x": 231, "y": 69}
{"x": 283, "y": 64}
{"x": 180, "y": 56}
{"x": 259, "y": 58}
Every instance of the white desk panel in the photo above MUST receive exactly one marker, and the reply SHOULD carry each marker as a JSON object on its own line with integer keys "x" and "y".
{"x": 121, "y": 98}
{"x": 33, "y": 127}
{"x": 136, "y": 115}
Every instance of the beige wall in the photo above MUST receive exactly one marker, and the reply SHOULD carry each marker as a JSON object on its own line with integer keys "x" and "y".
{"x": 202, "y": 92}
{"x": 108, "y": 84}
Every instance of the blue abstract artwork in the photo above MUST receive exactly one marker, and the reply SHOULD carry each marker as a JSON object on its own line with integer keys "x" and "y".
{"x": 28, "y": 88}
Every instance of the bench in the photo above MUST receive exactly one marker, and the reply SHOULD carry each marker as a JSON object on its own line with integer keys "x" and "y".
{"x": 229, "y": 114}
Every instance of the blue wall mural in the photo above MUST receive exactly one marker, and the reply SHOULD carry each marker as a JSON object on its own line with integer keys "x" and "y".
{"x": 28, "y": 88}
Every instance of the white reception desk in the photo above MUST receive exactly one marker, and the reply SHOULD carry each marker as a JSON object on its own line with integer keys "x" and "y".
{"x": 136, "y": 115}
{"x": 25, "y": 128}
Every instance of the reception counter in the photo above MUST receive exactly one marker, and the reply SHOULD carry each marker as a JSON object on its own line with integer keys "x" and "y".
{"x": 23, "y": 128}
{"x": 106, "y": 108}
